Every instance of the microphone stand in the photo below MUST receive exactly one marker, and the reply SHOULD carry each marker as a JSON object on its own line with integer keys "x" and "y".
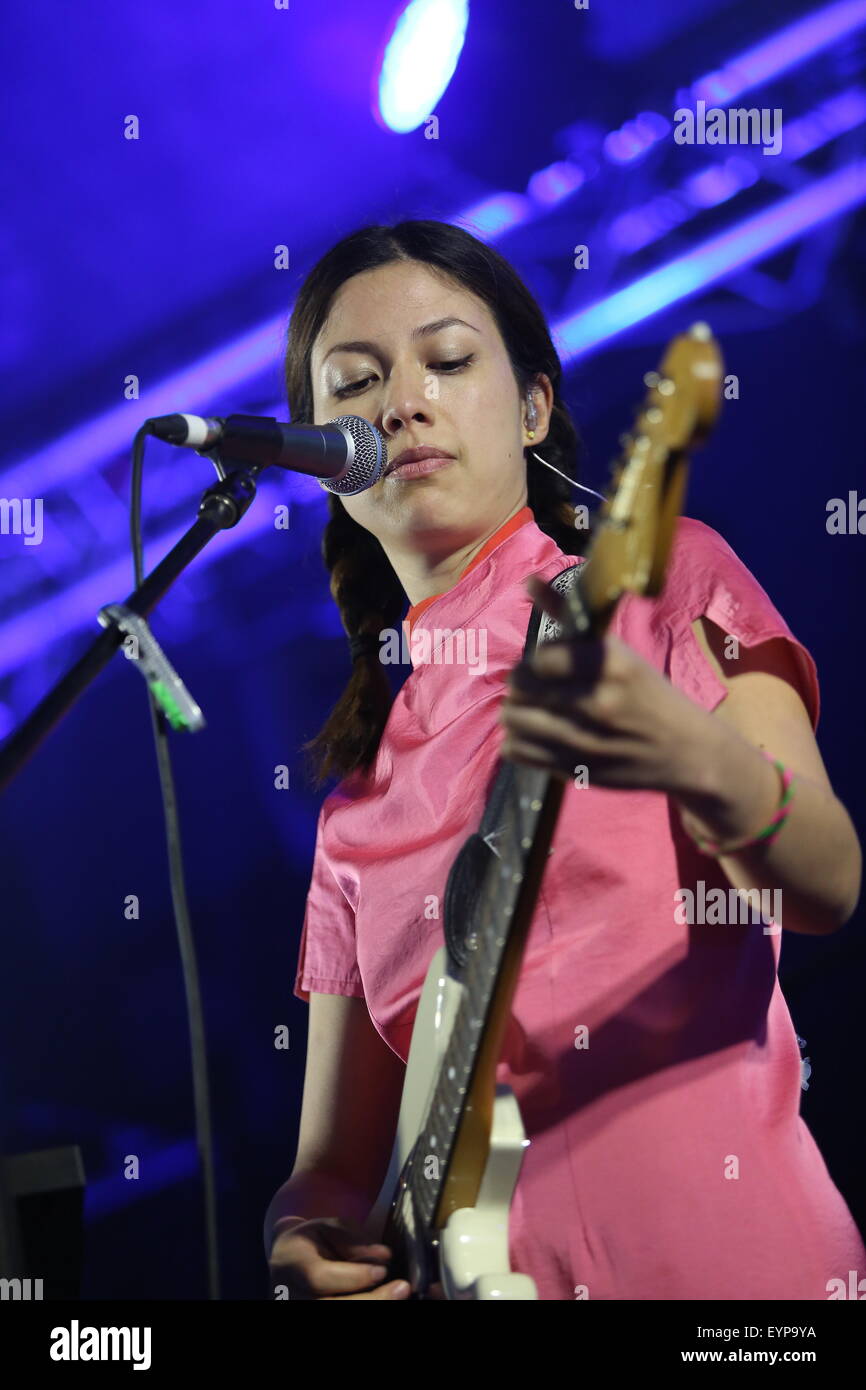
{"x": 221, "y": 508}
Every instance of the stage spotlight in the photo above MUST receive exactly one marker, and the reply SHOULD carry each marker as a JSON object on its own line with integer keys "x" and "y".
{"x": 419, "y": 61}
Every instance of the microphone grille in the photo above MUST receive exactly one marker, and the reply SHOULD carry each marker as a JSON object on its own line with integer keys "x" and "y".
{"x": 368, "y": 455}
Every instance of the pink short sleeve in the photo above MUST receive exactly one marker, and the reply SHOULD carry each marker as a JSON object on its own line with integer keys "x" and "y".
{"x": 706, "y": 578}
{"x": 327, "y": 960}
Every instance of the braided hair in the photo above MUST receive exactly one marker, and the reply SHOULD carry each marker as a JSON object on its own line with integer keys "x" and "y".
{"x": 363, "y": 583}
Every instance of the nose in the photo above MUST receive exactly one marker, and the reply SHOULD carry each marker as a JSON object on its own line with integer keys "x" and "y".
{"x": 405, "y": 401}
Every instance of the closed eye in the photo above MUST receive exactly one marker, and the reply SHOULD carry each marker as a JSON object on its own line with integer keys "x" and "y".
{"x": 451, "y": 368}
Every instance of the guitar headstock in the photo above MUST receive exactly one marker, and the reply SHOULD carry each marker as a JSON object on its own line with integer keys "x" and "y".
{"x": 636, "y": 524}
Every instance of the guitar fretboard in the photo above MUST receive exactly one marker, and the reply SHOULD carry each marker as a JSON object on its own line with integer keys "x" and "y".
{"x": 486, "y": 941}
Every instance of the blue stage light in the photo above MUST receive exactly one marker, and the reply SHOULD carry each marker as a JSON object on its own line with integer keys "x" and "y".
{"x": 493, "y": 217}
{"x": 716, "y": 183}
{"x": 419, "y": 61}
{"x": 710, "y": 262}
{"x": 558, "y": 181}
{"x": 781, "y": 52}
{"x": 635, "y": 137}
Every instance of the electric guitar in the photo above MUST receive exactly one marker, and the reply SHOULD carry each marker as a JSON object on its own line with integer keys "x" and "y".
{"x": 444, "y": 1206}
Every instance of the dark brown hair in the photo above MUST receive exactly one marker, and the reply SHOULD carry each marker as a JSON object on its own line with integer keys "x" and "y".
{"x": 363, "y": 583}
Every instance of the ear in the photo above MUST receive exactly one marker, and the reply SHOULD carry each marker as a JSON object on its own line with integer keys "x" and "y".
{"x": 542, "y": 395}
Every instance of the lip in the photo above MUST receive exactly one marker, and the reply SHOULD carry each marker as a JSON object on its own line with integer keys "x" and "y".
{"x": 411, "y": 463}
{"x": 418, "y": 468}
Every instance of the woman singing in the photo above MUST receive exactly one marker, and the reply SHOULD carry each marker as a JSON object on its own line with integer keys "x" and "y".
{"x": 651, "y": 1051}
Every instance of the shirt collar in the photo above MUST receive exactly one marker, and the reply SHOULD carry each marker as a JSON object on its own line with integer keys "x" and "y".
{"x": 507, "y": 528}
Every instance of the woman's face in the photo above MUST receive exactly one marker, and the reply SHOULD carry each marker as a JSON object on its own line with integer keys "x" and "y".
{"x": 422, "y": 359}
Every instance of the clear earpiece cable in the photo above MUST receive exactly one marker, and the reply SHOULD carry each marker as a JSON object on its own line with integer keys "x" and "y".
{"x": 566, "y": 477}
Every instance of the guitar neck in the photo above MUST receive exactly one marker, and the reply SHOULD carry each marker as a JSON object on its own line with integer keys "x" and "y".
{"x": 496, "y": 944}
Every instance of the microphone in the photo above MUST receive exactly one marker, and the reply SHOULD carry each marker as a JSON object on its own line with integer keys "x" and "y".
{"x": 347, "y": 455}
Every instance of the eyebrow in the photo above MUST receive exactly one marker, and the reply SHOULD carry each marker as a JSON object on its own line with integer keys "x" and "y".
{"x": 425, "y": 331}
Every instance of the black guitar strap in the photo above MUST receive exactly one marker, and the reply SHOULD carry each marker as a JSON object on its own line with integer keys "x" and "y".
{"x": 464, "y": 880}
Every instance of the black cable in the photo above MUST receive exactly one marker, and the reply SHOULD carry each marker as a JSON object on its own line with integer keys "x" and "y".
{"x": 183, "y": 926}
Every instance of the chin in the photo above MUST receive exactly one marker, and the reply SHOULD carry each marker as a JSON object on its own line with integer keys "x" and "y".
{"x": 431, "y": 511}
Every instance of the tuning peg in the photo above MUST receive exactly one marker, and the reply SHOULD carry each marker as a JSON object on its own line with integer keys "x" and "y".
{"x": 651, "y": 379}
{"x": 701, "y": 331}
{"x": 666, "y": 387}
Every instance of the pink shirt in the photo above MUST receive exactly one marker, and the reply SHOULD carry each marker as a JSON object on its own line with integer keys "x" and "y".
{"x": 667, "y": 1158}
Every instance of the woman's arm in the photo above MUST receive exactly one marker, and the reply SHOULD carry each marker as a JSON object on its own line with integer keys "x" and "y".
{"x": 600, "y": 704}
{"x": 351, "y": 1100}
{"x": 728, "y": 790}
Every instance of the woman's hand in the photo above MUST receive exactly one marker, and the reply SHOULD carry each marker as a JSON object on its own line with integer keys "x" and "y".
{"x": 328, "y": 1259}
{"x": 599, "y": 705}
